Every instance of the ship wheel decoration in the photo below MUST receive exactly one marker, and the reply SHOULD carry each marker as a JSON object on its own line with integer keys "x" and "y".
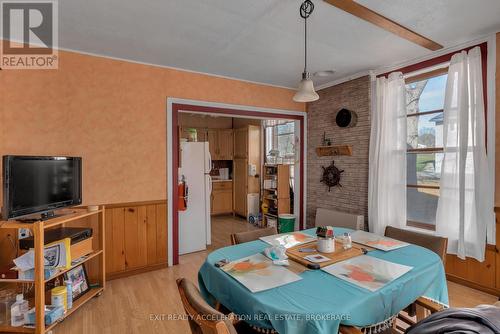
{"x": 331, "y": 176}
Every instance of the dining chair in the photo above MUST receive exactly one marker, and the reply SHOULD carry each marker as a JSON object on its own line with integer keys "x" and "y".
{"x": 438, "y": 245}
{"x": 427, "y": 304}
{"x": 241, "y": 237}
{"x": 203, "y": 318}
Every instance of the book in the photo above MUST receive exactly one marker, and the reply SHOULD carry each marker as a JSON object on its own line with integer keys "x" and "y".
{"x": 367, "y": 272}
{"x": 258, "y": 273}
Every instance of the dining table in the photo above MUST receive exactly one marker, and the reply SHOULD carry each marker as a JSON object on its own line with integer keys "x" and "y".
{"x": 320, "y": 302}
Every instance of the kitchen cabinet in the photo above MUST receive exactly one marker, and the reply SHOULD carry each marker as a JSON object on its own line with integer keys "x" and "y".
{"x": 212, "y": 143}
{"x": 246, "y": 153}
{"x": 225, "y": 142}
{"x": 222, "y": 197}
{"x": 240, "y": 186}
{"x": 241, "y": 143}
{"x": 220, "y": 143}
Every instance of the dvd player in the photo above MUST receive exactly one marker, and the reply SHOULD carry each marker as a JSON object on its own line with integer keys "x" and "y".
{"x": 76, "y": 234}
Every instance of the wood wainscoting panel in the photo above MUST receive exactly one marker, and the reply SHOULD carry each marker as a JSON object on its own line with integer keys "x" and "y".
{"x": 482, "y": 273}
{"x": 136, "y": 238}
{"x": 117, "y": 224}
{"x": 497, "y": 239}
{"x": 475, "y": 274}
{"x": 161, "y": 234}
{"x": 151, "y": 233}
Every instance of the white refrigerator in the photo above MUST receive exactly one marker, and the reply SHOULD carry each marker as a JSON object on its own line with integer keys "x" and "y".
{"x": 194, "y": 223}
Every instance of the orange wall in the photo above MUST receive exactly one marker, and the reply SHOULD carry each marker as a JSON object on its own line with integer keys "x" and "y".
{"x": 113, "y": 114}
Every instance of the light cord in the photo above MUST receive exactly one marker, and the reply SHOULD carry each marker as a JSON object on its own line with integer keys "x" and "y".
{"x": 306, "y": 9}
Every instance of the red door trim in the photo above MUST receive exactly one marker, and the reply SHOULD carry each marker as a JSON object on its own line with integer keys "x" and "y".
{"x": 176, "y": 107}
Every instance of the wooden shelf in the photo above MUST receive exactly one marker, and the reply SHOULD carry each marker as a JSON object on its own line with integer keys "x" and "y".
{"x": 98, "y": 276}
{"x": 10, "y": 329}
{"x": 89, "y": 257}
{"x": 66, "y": 217}
{"x": 76, "y": 305}
{"x": 277, "y": 198}
{"x": 325, "y": 151}
{"x": 15, "y": 280}
{"x": 59, "y": 273}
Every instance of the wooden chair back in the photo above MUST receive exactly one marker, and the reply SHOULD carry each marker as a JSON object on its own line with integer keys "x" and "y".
{"x": 436, "y": 244}
{"x": 202, "y": 318}
{"x": 239, "y": 238}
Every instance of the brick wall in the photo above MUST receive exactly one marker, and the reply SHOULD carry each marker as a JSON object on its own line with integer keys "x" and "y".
{"x": 352, "y": 197}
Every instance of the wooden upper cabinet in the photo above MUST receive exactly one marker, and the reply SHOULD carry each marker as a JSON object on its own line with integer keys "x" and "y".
{"x": 241, "y": 143}
{"x": 225, "y": 144}
{"x": 212, "y": 144}
{"x": 201, "y": 134}
{"x": 220, "y": 142}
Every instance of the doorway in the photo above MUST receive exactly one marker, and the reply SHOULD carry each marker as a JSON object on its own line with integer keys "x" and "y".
{"x": 177, "y": 109}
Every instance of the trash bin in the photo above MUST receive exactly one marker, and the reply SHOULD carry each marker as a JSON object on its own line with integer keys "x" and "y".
{"x": 286, "y": 223}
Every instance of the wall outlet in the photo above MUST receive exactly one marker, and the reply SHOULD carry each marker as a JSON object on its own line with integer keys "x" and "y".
{"x": 23, "y": 233}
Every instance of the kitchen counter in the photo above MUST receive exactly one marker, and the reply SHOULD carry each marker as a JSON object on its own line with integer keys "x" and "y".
{"x": 217, "y": 180}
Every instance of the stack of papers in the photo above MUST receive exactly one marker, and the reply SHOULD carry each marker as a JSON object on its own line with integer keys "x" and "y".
{"x": 367, "y": 272}
{"x": 377, "y": 241}
{"x": 288, "y": 240}
{"x": 258, "y": 273}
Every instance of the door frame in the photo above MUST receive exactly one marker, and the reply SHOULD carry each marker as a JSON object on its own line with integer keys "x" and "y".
{"x": 176, "y": 105}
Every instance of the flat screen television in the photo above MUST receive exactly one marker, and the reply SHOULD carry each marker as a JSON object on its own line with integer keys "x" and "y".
{"x": 40, "y": 185}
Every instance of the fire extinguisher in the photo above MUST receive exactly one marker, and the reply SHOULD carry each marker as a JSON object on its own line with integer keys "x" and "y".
{"x": 183, "y": 194}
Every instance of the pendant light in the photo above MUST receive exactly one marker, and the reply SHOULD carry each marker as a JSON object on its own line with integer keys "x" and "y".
{"x": 306, "y": 92}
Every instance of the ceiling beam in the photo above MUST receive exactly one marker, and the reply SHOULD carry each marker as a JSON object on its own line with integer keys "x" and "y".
{"x": 383, "y": 22}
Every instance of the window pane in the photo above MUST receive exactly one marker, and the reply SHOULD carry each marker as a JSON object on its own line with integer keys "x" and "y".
{"x": 285, "y": 128}
{"x": 422, "y": 205}
{"x": 425, "y": 131}
{"x": 426, "y": 95}
{"x": 269, "y": 140}
{"x": 423, "y": 168}
{"x": 286, "y": 145}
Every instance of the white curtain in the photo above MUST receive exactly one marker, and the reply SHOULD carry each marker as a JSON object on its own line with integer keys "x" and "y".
{"x": 387, "y": 158}
{"x": 465, "y": 207}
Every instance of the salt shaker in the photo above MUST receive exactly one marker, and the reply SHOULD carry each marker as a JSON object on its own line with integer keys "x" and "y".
{"x": 347, "y": 241}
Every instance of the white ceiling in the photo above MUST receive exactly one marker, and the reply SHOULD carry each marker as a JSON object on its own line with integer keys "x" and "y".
{"x": 262, "y": 40}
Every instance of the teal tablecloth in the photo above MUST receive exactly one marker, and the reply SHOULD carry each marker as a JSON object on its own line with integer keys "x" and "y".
{"x": 320, "y": 302}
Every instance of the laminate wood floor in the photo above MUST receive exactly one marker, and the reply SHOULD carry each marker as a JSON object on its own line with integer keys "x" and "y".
{"x": 142, "y": 303}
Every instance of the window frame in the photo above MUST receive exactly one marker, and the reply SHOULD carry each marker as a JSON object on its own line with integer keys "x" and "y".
{"x": 420, "y": 77}
{"x": 275, "y": 135}
{"x": 432, "y": 63}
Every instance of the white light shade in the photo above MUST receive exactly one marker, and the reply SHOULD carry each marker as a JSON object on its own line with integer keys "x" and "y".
{"x": 306, "y": 92}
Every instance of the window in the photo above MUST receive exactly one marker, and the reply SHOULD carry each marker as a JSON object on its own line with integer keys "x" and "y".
{"x": 424, "y": 105}
{"x": 280, "y": 141}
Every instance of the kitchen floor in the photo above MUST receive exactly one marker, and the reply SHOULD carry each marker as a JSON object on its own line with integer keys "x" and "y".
{"x": 224, "y": 226}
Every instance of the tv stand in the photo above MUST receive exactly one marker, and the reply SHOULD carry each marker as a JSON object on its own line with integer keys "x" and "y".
{"x": 43, "y": 216}
{"x": 93, "y": 262}
{"x": 47, "y": 215}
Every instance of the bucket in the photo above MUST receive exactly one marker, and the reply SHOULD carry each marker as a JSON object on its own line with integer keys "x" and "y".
{"x": 286, "y": 223}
